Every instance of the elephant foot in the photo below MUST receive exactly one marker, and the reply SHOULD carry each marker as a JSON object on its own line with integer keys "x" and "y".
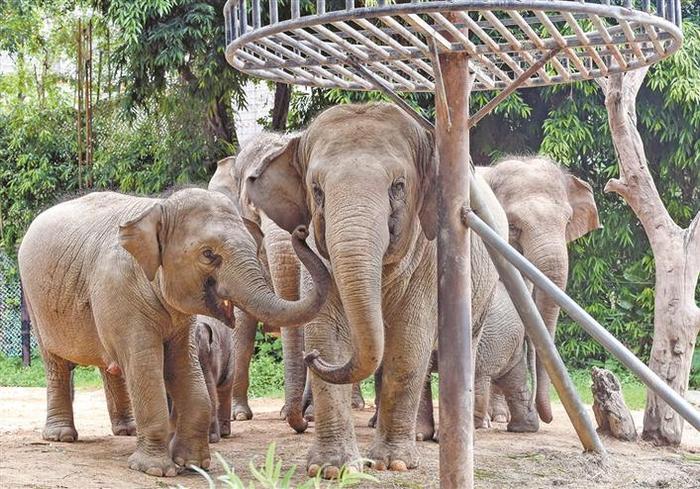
{"x": 481, "y": 423}
{"x": 357, "y": 401}
{"x": 529, "y": 424}
{"x": 309, "y": 413}
{"x": 329, "y": 460}
{"x": 500, "y": 418}
{"x": 372, "y": 423}
{"x": 214, "y": 437}
{"x": 190, "y": 452}
{"x": 225, "y": 428}
{"x": 124, "y": 427}
{"x": 157, "y": 465}
{"x": 425, "y": 430}
{"x": 60, "y": 432}
{"x": 399, "y": 457}
{"x": 241, "y": 411}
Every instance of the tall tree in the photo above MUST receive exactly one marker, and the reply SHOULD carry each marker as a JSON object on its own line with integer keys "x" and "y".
{"x": 676, "y": 254}
{"x": 163, "y": 43}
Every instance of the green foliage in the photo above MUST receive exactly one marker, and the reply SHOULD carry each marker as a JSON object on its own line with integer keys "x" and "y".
{"x": 14, "y": 374}
{"x": 270, "y": 476}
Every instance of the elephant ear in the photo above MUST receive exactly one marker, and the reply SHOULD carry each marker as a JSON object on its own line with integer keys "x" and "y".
{"x": 223, "y": 181}
{"x": 276, "y": 187}
{"x": 585, "y": 216}
{"x": 427, "y": 170}
{"x": 140, "y": 237}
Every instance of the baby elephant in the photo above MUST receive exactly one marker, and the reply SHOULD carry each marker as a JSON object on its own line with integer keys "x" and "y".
{"x": 215, "y": 351}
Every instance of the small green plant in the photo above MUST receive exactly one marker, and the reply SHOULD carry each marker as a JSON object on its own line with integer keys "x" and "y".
{"x": 270, "y": 476}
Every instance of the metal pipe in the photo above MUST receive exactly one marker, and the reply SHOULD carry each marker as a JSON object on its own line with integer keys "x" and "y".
{"x": 590, "y": 325}
{"x": 295, "y": 9}
{"x": 320, "y": 7}
{"x": 26, "y": 329}
{"x": 456, "y": 355}
{"x": 273, "y": 12}
{"x": 256, "y": 14}
{"x": 537, "y": 331}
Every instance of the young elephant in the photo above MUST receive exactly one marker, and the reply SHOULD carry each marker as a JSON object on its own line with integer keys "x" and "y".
{"x": 113, "y": 280}
{"x": 215, "y": 352}
{"x": 364, "y": 175}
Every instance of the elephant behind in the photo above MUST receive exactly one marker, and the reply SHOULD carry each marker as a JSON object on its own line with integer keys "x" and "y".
{"x": 363, "y": 176}
{"x": 113, "y": 281}
{"x": 547, "y": 208}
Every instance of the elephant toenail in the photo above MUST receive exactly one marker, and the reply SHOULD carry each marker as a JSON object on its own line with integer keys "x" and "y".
{"x": 179, "y": 460}
{"x": 241, "y": 417}
{"x": 379, "y": 465}
{"x": 172, "y": 472}
{"x": 332, "y": 472}
{"x": 420, "y": 437}
{"x": 313, "y": 470}
{"x": 206, "y": 463}
{"x": 398, "y": 465}
{"x": 155, "y": 471}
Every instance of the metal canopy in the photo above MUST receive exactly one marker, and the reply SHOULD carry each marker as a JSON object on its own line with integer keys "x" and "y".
{"x": 504, "y": 40}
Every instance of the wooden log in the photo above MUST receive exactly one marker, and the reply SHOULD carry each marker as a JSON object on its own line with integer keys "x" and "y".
{"x": 611, "y": 413}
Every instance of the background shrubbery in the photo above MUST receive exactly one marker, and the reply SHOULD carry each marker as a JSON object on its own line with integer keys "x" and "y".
{"x": 163, "y": 116}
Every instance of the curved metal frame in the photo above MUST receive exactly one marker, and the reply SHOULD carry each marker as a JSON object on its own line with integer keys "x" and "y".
{"x": 323, "y": 55}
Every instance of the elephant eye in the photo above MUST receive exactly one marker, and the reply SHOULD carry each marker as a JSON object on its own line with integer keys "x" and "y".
{"x": 318, "y": 194}
{"x": 210, "y": 256}
{"x": 398, "y": 189}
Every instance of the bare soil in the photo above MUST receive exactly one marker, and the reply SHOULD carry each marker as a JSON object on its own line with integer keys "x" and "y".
{"x": 552, "y": 457}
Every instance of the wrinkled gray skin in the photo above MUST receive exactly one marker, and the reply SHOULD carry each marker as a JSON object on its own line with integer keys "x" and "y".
{"x": 113, "y": 281}
{"x": 215, "y": 351}
{"x": 277, "y": 258}
{"x": 363, "y": 176}
{"x": 547, "y": 208}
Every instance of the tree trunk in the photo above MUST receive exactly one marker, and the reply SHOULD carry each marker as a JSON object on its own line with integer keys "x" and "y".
{"x": 676, "y": 253}
{"x": 280, "y": 110}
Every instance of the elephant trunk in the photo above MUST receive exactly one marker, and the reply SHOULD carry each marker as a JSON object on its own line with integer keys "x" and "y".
{"x": 552, "y": 259}
{"x": 243, "y": 283}
{"x": 357, "y": 236}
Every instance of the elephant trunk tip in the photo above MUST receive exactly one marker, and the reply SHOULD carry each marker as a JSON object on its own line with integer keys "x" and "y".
{"x": 336, "y": 374}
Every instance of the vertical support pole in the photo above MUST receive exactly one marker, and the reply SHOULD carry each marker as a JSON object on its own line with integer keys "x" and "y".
{"x": 456, "y": 357}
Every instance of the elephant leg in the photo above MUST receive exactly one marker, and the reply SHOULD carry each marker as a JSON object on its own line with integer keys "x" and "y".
{"x": 358, "y": 401}
{"x": 425, "y": 421}
{"x": 523, "y": 417}
{"x": 59, "y": 396}
{"x": 307, "y": 402}
{"x": 213, "y": 393}
{"x": 294, "y": 378}
{"x": 498, "y": 408}
{"x": 405, "y": 366}
{"x": 243, "y": 347}
{"x": 224, "y": 412}
{"x": 372, "y": 423}
{"x": 141, "y": 359}
{"x": 118, "y": 404}
{"x": 195, "y": 411}
{"x": 482, "y": 392}
{"x": 334, "y": 443}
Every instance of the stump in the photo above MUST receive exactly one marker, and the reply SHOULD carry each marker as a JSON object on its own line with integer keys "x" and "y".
{"x": 611, "y": 413}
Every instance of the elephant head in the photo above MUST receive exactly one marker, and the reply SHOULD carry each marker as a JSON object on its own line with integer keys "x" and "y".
{"x": 546, "y": 209}
{"x": 195, "y": 246}
{"x": 360, "y": 174}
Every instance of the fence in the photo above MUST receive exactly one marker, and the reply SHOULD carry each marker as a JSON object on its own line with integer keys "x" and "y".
{"x": 10, "y": 309}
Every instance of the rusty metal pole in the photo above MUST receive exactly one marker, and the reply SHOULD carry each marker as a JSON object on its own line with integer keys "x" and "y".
{"x": 456, "y": 358}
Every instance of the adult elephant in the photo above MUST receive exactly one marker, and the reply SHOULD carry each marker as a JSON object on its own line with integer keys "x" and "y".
{"x": 364, "y": 176}
{"x": 547, "y": 208}
{"x": 281, "y": 265}
{"x": 114, "y": 281}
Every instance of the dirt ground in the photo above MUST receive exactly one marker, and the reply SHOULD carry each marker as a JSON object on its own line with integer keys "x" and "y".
{"x": 549, "y": 458}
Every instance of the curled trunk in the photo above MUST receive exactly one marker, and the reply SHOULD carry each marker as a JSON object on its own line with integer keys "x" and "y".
{"x": 244, "y": 284}
{"x": 357, "y": 237}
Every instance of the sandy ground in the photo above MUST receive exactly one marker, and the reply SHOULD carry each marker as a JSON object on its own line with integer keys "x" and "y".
{"x": 549, "y": 458}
